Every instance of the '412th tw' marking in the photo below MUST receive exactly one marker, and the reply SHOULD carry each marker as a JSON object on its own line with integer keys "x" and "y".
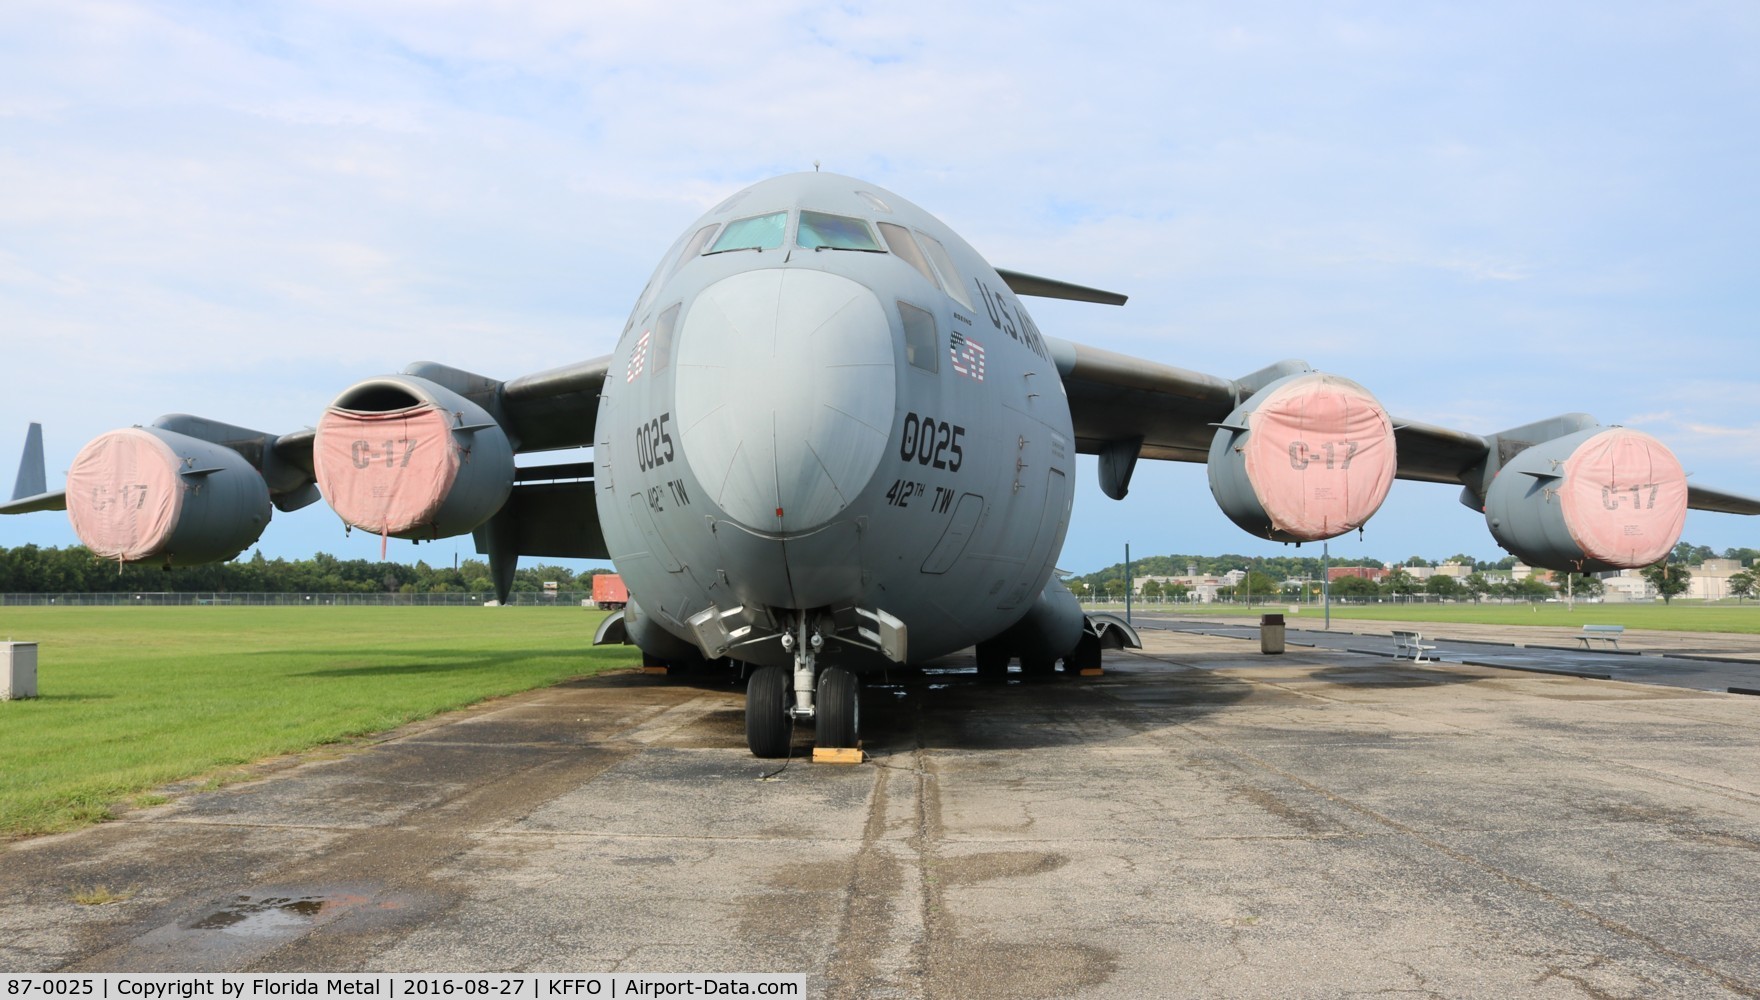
{"x": 904, "y": 490}
{"x": 658, "y": 495}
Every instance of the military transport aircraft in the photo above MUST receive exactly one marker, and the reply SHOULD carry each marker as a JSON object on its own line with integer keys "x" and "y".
{"x": 830, "y": 439}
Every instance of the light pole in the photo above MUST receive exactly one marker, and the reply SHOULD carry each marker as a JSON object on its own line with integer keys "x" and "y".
{"x": 1129, "y": 584}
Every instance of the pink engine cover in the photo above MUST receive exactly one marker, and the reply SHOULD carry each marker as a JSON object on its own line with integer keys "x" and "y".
{"x": 124, "y": 494}
{"x": 1624, "y": 497}
{"x": 387, "y": 473}
{"x": 1321, "y": 456}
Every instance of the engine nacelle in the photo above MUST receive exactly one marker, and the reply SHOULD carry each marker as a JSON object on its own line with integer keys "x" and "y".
{"x": 148, "y": 494}
{"x": 646, "y": 634}
{"x": 1599, "y": 499}
{"x": 403, "y": 456}
{"x": 1051, "y": 627}
{"x": 1309, "y": 456}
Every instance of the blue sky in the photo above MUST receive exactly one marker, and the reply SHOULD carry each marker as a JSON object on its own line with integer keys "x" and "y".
{"x": 1485, "y": 213}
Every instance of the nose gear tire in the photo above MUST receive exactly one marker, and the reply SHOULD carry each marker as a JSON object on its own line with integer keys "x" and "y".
{"x": 769, "y": 693}
{"x": 839, "y": 710}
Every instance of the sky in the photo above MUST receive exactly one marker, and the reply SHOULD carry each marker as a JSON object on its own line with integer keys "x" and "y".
{"x": 1487, "y": 214}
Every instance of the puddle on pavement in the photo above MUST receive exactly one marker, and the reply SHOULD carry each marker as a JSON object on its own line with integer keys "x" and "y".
{"x": 273, "y": 915}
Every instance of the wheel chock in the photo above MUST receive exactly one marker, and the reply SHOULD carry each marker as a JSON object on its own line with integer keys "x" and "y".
{"x": 837, "y": 755}
{"x": 659, "y": 671}
{"x": 1093, "y": 672}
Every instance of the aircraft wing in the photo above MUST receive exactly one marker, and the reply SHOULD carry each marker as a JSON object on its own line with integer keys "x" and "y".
{"x": 557, "y": 408}
{"x": 1117, "y": 398}
{"x": 1706, "y": 498}
{"x": 544, "y": 510}
{"x": 1125, "y": 408}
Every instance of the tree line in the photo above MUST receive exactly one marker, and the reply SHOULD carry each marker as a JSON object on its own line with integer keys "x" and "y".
{"x": 1270, "y": 577}
{"x": 29, "y": 569}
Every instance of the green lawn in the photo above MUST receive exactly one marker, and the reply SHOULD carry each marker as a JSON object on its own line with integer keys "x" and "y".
{"x": 1681, "y": 616}
{"x": 135, "y": 698}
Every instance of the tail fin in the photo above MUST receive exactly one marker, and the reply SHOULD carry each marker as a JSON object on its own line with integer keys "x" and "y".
{"x": 32, "y": 490}
{"x": 31, "y": 478}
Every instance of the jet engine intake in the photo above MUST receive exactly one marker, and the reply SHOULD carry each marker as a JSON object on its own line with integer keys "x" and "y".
{"x": 148, "y": 494}
{"x": 400, "y": 455}
{"x": 1600, "y": 499}
{"x": 1307, "y": 457}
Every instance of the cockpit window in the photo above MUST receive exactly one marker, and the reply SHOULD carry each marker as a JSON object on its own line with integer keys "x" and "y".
{"x": 950, "y": 276}
{"x": 660, "y": 347}
{"x": 760, "y": 232}
{"x": 824, "y": 231}
{"x": 692, "y": 249}
{"x": 899, "y": 239}
{"x": 682, "y": 249}
{"x": 921, "y": 344}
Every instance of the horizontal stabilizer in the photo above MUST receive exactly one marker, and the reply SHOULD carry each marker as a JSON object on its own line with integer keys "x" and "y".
{"x": 1051, "y": 288}
{"x": 30, "y": 505}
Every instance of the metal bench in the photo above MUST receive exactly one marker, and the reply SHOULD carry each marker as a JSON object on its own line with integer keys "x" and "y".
{"x": 1606, "y": 633}
{"x": 1410, "y": 644}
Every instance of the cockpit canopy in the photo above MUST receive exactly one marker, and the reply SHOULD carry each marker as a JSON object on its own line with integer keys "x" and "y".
{"x": 814, "y": 231}
{"x": 824, "y": 231}
{"x": 811, "y": 229}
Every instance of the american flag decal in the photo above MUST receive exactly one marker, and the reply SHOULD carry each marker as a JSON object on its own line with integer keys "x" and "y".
{"x": 638, "y": 357}
{"x": 968, "y": 356}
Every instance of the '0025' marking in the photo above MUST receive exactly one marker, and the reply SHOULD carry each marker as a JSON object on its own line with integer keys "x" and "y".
{"x": 932, "y": 442}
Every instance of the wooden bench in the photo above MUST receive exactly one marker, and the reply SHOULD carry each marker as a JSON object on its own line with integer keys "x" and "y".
{"x": 1606, "y": 633}
{"x": 1410, "y": 644}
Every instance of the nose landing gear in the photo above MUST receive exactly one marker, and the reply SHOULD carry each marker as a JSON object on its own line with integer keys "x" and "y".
{"x": 831, "y": 697}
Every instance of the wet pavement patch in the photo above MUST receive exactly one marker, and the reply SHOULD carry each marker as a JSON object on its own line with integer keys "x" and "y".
{"x": 279, "y": 915}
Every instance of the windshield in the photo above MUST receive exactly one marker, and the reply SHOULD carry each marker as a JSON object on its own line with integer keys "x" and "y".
{"x": 760, "y": 232}
{"x": 824, "y": 231}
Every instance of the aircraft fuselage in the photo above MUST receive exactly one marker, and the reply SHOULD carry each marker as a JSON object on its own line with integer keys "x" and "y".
{"x": 824, "y": 403}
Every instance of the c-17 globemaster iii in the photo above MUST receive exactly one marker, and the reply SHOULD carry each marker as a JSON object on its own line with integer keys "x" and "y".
{"x": 831, "y": 439}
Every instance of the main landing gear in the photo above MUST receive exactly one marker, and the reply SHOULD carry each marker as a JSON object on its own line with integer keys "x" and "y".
{"x": 831, "y": 698}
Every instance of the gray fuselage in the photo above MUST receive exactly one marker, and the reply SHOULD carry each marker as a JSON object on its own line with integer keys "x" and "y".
{"x": 824, "y": 401}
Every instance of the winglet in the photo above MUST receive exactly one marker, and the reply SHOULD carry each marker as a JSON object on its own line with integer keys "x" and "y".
{"x": 31, "y": 493}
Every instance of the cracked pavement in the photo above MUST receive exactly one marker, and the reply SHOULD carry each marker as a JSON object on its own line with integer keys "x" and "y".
{"x": 1201, "y": 821}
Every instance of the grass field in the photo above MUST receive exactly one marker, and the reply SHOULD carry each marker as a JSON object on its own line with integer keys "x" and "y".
{"x": 135, "y": 698}
{"x": 1682, "y": 616}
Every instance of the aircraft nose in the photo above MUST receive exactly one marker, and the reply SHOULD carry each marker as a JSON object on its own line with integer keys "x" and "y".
{"x": 785, "y": 395}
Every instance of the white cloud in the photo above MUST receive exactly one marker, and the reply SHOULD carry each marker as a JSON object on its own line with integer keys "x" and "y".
{"x": 238, "y": 209}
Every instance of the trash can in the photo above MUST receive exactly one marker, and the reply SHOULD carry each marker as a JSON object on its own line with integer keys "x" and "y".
{"x": 1270, "y": 633}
